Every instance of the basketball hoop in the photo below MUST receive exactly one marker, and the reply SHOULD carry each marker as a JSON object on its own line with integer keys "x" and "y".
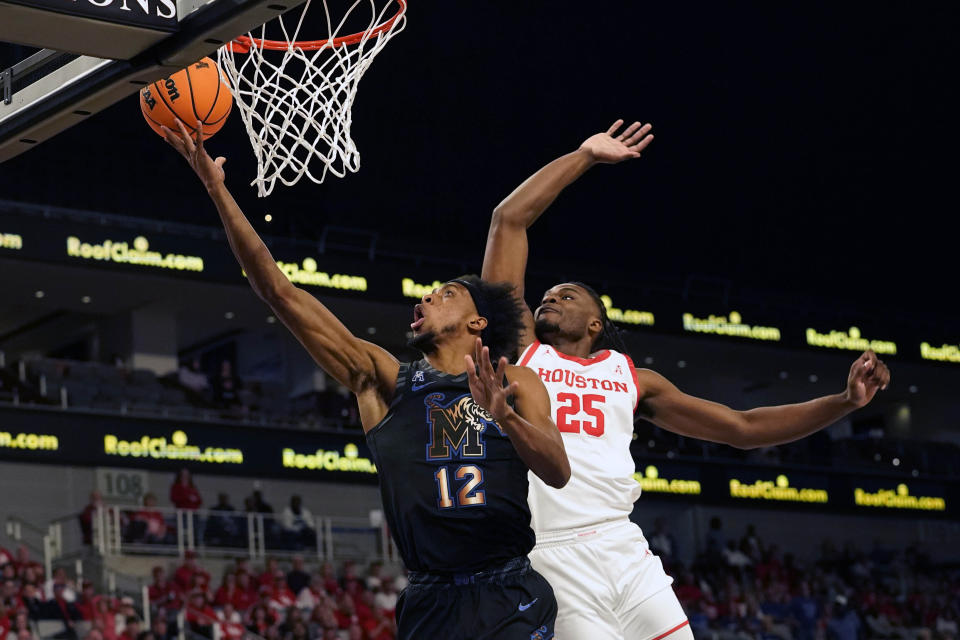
{"x": 295, "y": 96}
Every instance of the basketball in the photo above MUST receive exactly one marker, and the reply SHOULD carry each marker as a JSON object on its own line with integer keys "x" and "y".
{"x": 197, "y": 94}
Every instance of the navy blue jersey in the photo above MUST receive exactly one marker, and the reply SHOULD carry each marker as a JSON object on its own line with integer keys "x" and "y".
{"x": 454, "y": 489}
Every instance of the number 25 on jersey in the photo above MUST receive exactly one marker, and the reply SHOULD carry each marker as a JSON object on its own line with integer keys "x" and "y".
{"x": 572, "y": 404}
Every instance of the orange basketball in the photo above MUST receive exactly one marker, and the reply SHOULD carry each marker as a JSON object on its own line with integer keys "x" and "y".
{"x": 194, "y": 95}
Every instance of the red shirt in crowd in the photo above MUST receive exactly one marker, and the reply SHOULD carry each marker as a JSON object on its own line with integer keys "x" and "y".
{"x": 204, "y": 616}
{"x": 185, "y": 573}
{"x": 5, "y": 556}
{"x": 282, "y": 598}
{"x": 166, "y": 594}
{"x": 232, "y": 630}
{"x": 243, "y": 600}
{"x": 185, "y": 496}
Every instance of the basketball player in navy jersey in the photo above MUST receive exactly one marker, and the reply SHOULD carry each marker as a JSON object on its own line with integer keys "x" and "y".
{"x": 608, "y": 584}
{"x": 453, "y": 437}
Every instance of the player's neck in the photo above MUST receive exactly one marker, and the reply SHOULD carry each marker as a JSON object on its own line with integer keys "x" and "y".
{"x": 581, "y": 348}
{"x": 449, "y": 358}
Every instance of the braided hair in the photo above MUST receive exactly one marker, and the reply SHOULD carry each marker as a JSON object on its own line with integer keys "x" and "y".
{"x": 610, "y": 336}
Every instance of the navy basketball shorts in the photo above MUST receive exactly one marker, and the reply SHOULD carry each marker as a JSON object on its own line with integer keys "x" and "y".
{"x": 509, "y": 602}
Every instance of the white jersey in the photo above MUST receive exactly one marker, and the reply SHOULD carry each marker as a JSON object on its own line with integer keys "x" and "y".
{"x": 592, "y": 402}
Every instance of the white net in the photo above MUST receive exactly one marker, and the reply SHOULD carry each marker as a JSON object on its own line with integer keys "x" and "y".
{"x": 295, "y": 98}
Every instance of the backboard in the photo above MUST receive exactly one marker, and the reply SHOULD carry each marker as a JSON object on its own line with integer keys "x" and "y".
{"x": 93, "y": 53}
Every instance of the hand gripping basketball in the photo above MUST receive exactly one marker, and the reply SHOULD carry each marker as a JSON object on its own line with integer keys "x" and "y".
{"x": 486, "y": 383}
{"x": 210, "y": 171}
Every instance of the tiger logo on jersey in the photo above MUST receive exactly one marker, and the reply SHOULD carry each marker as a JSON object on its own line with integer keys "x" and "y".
{"x": 457, "y": 424}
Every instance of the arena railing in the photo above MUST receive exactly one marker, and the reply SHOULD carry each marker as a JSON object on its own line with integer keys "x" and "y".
{"x": 120, "y": 530}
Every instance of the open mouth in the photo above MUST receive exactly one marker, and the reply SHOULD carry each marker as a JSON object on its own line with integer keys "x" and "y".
{"x": 418, "y": 318}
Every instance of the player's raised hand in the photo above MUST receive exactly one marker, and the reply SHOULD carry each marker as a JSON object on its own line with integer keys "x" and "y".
{"x": 209, "y": 170}
{"x": 867, "y": 375}
{"x": 486, "y": 383}
{"x": 611, "y": 147}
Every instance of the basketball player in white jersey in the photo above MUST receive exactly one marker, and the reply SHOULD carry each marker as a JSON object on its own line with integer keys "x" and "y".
{"x": 609, "y": 586}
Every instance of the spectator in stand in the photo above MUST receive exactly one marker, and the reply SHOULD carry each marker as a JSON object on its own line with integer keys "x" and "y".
{"x": 161, "y": 629}
{"x": 261, "y": 619}
{"x": 226, "y": 387}
{"x": 21, "y": 627}
{"x": 386, "y": 598}
{"x": 298, "y": 525}
{"x": 297, "y": 578}
{"x": 299, "y": 632}
{"x": 312, "y": 595}
{"x": 87, "y": 601}
{"x": 716, "y": 541}
{"x": 132, "y": 630}
{"x": 662, "y": 542}
{"x": 245, "y": 595}
{"x": 259, "y": 504}
{"x": 346, "y": 611}
{"x": 28, "y": 570}
{"x": 60, "y": 577}
{"x": 164, "y": 593}
{"x": 32, "y": 601}
{"x": 9, "y": 572}
{"x": 281, "y": 597}
{"x": 330, "y": 584}
{"x": 322, "y": 618}
{"x": 184, "y": 576}
{"x": 200, "y": 615}
{"x": 5, "y": 558}
{"x": 57, "y": 608}
{"x": 146, "y": 635}
{"x": 751, "y": 544}
{"x": 148, "y": 525}
{"x": 183, "y": 493}
{"x": 105, "y": 619}
{"x": 804, "y": 612}
{"x": 225, "y": 529}
{"x": 844, "y": 622}
{"x": 231, "y": 623}
{"x": 227, "y": 590}
{"x": 192, "y": 376}
{"x": 290, "y": 617}
{"x": 256, "y": 504}
{"x": 380, "y": 626}
{"x": 270, "y": 573}
{"x": 5, "y": 621}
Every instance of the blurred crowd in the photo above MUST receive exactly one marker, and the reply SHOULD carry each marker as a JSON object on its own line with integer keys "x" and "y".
{"x": 270, "y": 602}
{"x": 741, "y": 588}
{"x": 279, "y": 604}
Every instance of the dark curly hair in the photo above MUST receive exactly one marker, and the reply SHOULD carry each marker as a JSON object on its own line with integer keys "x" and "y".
{"x": 497, "y": 302}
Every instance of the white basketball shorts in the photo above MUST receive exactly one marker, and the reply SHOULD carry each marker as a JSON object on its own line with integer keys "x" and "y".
{"x": 609, "y": 585}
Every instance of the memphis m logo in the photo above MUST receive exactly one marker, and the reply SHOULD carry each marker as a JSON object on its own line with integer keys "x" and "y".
{"x": 458, "y": 424}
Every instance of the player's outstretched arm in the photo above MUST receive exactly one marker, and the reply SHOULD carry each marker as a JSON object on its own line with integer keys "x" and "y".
{"x": 364, "y": 368}
{"x": 530, "y": 427}
{"x": 671, "y": 409}
{"x": 505, "y": 257}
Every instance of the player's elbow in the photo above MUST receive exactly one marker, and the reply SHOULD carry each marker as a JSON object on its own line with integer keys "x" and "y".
{"x": 507, "y": 217}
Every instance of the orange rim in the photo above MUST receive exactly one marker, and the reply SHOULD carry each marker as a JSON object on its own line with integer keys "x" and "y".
{"x": 242, "y": 44}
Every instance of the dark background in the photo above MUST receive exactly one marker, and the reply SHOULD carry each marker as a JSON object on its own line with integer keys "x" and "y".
{"x": 801, "y": 149}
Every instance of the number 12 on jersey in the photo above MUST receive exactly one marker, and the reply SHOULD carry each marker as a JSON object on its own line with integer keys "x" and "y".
{"x": 469, "y": 494}
{"x": 572, "y": 405}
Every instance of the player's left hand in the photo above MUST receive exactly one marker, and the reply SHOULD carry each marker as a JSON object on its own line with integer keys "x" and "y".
{"x": 610, "y": 148}
{"x": 867, "y": 375}
{"x": 486, "y": 383}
